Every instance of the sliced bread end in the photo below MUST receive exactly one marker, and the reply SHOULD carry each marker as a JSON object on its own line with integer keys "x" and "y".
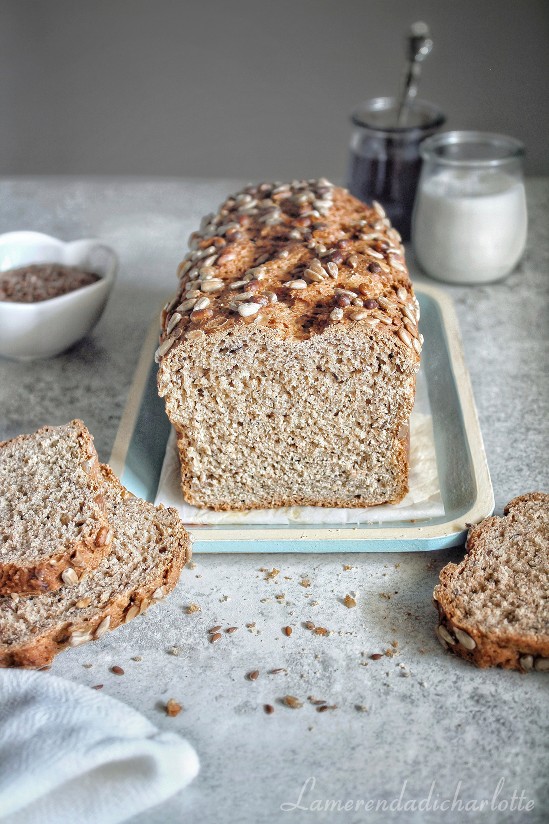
{"x": 53, "y": 519}
{"x": 493, "y": 607}
{"x": 135, "y": 575}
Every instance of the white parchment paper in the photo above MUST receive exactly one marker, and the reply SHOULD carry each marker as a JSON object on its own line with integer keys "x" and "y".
{"x": 422, "y": 501}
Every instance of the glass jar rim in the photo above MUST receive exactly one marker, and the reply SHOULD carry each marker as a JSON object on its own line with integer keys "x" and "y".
{"x": 435, "y": 118}
{"x": 432, "y": 148}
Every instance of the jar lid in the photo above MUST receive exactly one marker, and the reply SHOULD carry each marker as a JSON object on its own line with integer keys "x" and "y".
{"x": 462, "y": 149}
{"x": 379, "y": 114}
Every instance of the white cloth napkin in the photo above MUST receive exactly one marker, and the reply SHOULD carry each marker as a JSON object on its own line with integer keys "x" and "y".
{"x": 70, "y": 754}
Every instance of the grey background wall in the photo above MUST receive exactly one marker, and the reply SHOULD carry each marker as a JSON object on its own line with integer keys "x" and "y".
{"x": 248, "y": 87}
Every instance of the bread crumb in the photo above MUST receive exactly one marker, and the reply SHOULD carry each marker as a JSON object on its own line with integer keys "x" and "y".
{"x": 292, "y": 701}
{"x": 173, "y": 708}
{"x": 349, "y": 601}
{"x": 193, "y": 608}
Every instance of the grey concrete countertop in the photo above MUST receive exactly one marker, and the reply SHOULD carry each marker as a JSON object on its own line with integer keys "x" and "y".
{"x": 429, "y": 723}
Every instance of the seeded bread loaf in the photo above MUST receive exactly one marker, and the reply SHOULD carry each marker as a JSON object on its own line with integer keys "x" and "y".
{"x": 149, "y": 550}
{"x": 288, "y": 356}
{"x": 53, "y": 521}
{"x": 494, "y": 606}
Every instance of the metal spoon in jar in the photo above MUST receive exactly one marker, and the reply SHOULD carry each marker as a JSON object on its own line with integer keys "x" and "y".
{"x": 419, "y": 45}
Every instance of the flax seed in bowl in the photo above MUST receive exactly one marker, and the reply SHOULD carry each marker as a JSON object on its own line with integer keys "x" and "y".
{"x": 51, "y": 293}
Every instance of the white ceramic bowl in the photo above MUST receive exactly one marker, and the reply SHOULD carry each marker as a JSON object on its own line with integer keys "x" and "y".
{"x": 43, "y": 329}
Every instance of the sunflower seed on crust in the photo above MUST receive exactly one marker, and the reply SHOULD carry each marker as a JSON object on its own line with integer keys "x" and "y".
{"x": 405, "y": 337}
{"x": 69, "y": 576}
{"x": 79, "y": 637}
{"x": 164, "y": 348}
{"x": 174, "y": 320}
{"x": 443, "y": 633}
{"x": 313, "y": 275}
{"x": 131, "y": 613}
{"x": 102, "y": 628}
{"x": 246, "y": 310}
{"x": 201, "y": 304}
{"x": 464, "y": 639}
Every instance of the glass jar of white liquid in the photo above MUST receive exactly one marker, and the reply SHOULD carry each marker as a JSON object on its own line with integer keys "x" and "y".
{"x": 469, "y": 222}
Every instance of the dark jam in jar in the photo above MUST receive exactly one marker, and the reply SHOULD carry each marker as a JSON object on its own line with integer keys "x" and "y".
{"x": 42, "y": 281}
{"x": 384, "y": 158}
{"x": 391, "y": 179}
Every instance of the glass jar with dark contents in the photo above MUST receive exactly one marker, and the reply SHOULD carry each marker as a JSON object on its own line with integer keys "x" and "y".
{"x": 385, "y": 162}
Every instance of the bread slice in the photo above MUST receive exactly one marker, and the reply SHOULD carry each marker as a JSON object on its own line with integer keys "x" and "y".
{"x": 149, "y": 549}
{"x": 53, "y": 521}
{"x": 494, "y": 606}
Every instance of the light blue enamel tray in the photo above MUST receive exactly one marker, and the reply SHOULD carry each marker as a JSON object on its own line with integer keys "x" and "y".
{"x": 466, "y": 489}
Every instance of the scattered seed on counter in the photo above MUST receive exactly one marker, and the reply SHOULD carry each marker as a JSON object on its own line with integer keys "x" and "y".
{"x": 230, "y": 630}
{"x": 97, "y": 687}
{"x": 215, "y": 637}
{"x": 268, "y": 709}
{"x": 292, "y": 702}
{"x": 253, "y": 675}
{"x": 278, "y": 671}
{"x": 214, "y": 629}
{"x": 117, "y": 670}
{"x": 376, "y": 656}
{"x": 326, "y": 707}
{"x": 287, "y": 631}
